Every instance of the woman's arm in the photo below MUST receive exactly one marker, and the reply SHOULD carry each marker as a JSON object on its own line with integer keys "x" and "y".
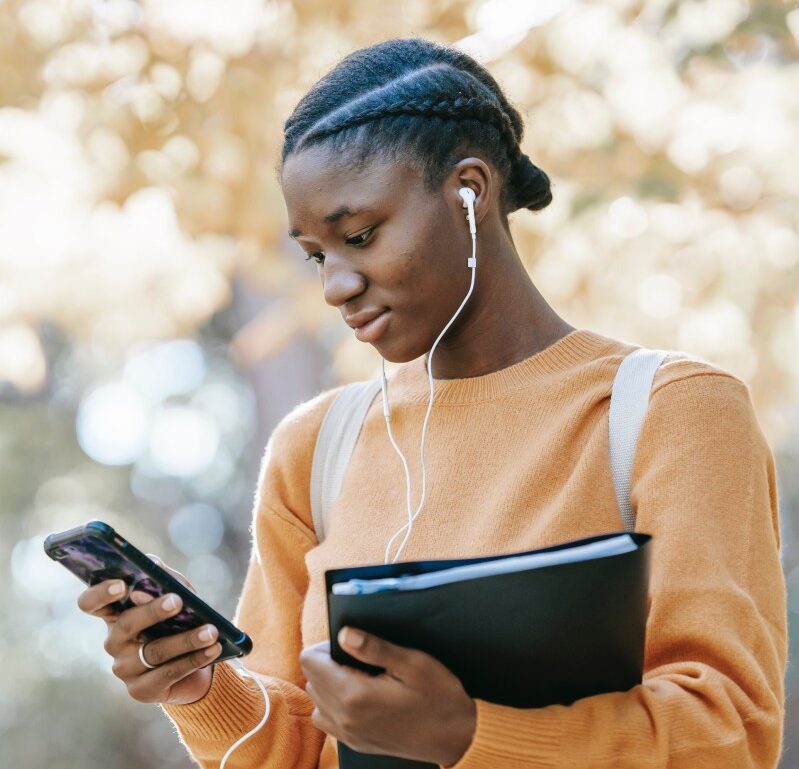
{"x": 269, "y": 610}
{"x": 712, "y": 694}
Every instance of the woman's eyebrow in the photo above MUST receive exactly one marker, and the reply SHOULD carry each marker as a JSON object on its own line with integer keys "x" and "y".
{"x": 334, "y": 217}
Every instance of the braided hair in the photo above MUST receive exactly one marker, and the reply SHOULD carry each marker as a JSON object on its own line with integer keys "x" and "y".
{"x": 421, "y": 102}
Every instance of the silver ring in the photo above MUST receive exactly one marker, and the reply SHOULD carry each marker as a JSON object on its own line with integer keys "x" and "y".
{"x": 144, "y": 661}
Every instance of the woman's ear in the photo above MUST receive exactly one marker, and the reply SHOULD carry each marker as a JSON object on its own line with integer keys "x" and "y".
{"x": 475, "y": 174}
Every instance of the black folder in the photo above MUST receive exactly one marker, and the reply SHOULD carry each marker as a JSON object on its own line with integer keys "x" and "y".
{"x": 526, "y": 639}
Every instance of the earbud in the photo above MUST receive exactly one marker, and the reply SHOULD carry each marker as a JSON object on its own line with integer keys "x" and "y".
{"x": 467, "y": 195}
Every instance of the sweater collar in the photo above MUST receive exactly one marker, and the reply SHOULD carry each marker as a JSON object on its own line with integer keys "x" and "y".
{"x": 409, "y": 381}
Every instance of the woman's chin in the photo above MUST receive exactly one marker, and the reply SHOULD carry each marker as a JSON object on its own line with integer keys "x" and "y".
{"x": 398, "y": 353}
{"x": 398, "y": 345}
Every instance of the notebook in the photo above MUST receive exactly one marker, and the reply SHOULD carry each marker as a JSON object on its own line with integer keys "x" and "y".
{"x": 525, "y": 629}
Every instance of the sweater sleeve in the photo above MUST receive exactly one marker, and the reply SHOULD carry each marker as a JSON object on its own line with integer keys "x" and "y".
{"x": 269, "y": 611}
{"x": 712, "y": 691}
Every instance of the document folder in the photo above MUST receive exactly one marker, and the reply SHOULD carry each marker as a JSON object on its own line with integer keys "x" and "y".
{"x": 550, "y": 630}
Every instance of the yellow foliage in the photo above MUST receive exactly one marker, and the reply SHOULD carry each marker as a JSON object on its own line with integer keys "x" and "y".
{"x": 138, "y": 146}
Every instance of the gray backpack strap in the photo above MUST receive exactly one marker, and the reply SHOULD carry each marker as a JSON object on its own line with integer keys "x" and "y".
{"x": 629, "y": 400}
{"x": 334, "y": 446}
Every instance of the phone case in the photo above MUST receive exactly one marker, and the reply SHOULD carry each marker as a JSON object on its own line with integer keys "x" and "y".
{"x": 95, "y": 552}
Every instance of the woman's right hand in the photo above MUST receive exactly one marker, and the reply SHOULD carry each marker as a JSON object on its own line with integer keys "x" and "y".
{"x": 183, "y": 672}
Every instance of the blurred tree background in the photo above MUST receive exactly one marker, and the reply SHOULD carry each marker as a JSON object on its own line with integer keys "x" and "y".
{"x": 156, "y": 322}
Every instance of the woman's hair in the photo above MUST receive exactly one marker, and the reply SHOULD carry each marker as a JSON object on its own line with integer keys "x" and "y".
{"x": 422, "y": 103}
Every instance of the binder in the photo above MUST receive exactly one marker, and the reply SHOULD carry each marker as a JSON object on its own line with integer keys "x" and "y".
{"x": 526, "y": 639}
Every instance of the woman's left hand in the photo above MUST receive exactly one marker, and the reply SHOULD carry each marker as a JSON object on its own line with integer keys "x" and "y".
{"x": 416, "y": 709}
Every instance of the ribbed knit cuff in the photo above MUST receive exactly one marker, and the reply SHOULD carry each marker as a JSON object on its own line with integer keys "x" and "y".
{"x": 229, "y": 708}
{"x": 512, "y": 738}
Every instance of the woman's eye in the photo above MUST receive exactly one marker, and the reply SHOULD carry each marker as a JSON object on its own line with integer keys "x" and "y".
{"x": 360, "y": 238}
{"x": 356, "y": 240}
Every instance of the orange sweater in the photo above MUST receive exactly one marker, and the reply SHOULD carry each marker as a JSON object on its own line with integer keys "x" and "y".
{"x": 518, "y": 459}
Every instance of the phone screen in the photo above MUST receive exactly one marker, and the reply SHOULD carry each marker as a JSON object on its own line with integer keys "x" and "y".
{"x": 95, "y": 553}
{"x": 94, "y": 560}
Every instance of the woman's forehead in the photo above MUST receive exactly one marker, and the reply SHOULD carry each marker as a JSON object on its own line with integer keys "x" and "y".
{"x": 315, "y": 182}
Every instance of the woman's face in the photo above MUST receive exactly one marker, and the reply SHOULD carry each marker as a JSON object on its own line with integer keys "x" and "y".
{"x": 384, "y": 245}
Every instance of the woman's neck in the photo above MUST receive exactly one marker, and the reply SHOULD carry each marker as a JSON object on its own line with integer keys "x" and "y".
{"x": 510, "y": 322}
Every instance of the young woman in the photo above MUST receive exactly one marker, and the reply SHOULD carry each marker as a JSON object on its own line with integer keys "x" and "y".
{"x": 517, "y": 454}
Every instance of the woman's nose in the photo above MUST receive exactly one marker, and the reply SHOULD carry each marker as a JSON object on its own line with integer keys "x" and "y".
{"x": 340, "y": 282}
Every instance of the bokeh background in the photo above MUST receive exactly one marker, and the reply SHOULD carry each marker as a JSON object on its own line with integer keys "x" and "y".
{"x": 156, "y": 321}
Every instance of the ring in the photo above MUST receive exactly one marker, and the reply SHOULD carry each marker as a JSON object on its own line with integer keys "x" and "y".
{"x": 144, "y": 661}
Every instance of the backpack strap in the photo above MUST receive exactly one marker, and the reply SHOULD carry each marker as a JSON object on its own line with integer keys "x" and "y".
{"x": 629, "y": 400}
{"x": 334, "y": 446}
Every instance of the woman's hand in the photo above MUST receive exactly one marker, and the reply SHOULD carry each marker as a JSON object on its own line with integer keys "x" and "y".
{"x": 181, "y": 674}
{"x": 417, "y": 709}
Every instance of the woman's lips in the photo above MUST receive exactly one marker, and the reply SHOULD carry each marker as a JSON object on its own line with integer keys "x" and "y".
{"x": 372, "y": 330}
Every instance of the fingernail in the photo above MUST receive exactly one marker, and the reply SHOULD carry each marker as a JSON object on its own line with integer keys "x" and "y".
{"x": 170, "y": 602}
{"x": 212, "y": 651}
{"x": 207, "y": 633}
{"x": 116, "y": 588}
{"x": 350, "y": 637}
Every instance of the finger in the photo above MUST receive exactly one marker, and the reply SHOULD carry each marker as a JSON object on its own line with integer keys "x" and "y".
{"x": 319, "y": 716}
{"x": 151, "y": 686}
{"x": 139, "y": 597}
{"x": 400, "y": 661}
{"x": 316, "y": 659}
{"x": 321, "y": 721}
{"x": 163, "y": 650}
{"x": 131, "y": 622}
{"x": 323, "y": 647}
{"x": 322, "y": 671}
{"x": 97, "y": 599}
{"x": 179, "y": 576}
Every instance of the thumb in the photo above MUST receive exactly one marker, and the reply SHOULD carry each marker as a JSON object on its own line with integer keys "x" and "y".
{"x": 398, "y": 660}
{"x": 180, "y": 577}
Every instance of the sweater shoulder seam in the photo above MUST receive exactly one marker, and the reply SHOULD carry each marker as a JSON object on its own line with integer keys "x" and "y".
{"x": 697, "y": 375}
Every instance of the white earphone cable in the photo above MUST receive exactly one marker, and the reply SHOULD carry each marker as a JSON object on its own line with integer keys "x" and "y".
{"x": 264, "y": 719}
{"x": 472, "y": 264}
{"x": 387, "y": 413}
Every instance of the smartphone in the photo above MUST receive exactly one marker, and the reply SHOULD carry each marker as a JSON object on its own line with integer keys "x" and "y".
{"x": 95, "y": 552}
